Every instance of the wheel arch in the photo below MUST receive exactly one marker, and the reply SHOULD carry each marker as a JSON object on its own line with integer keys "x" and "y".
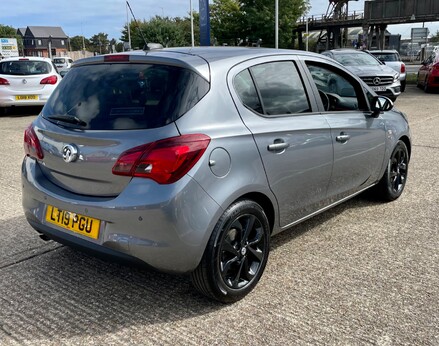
{"x": 265, "y": 203}
{"x": 407, "y": 143}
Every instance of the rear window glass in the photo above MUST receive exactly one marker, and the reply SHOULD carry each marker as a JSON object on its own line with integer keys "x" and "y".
{"x": 59, "y": 61}
{"x": 24, "y": 67}
{"x": 387, "y": 56}
{"x": 126, "y": 96}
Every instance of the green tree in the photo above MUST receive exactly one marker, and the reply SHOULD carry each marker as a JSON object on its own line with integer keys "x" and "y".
{"x": 99, "y": 43}
{"x": 227, "y": 21}
{"x": 164, "y": 30}
{"x": 78, "y": 42}
{"x": 435, "y": 38}
{"x": 260, "y": 19}
{"x": 253, "y": 20}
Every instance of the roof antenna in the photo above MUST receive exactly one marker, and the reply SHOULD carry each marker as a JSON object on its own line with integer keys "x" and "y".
{"x": 147, "y": 46}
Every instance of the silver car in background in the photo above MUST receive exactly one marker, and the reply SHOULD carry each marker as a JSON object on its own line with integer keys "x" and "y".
{"x": 189, "y": 159}
{"x": 382, "y": 79}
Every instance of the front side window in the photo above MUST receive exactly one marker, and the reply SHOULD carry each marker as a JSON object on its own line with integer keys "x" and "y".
{"x": 272, "y": 89}
{"x": 337, "y": 92}
{"x": 126, "y": 96}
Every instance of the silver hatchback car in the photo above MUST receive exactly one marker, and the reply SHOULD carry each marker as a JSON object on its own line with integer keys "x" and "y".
{"x": 189, "y": 159}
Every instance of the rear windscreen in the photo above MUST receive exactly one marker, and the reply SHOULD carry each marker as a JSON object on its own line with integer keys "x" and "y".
{"x": 24, "y": 67}
{"x": 125, "y": 96}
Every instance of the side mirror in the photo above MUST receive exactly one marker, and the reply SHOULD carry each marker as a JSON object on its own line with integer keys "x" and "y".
{"x": 381, "y": 104}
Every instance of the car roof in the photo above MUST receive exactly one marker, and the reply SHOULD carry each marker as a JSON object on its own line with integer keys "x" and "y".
{"x": 32, "y": 58}
{"x": 383, "y": 51}
{"x": 200, "y": 58}
{"x": 346, "y": 50}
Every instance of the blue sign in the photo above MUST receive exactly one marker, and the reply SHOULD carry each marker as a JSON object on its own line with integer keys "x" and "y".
{"x": 204, "y": 23}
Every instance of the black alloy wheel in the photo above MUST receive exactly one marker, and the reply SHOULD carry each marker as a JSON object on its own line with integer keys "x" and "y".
{"x": 393, "y": 182}
{"x": 236, "y": 254}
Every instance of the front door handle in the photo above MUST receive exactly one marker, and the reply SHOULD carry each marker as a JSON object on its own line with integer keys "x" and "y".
{"x": 342, "y": 137}
{"x": 278, "y": 145}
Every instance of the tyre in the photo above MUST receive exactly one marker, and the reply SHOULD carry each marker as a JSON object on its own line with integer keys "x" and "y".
{"x": 403, "y": 83}
{"x": 426, "y": 87}
{"x": 394, "y": 179}
{"x": 236, "y": 254}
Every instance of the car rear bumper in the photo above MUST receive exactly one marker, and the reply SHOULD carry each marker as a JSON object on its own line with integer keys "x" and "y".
{"x": 10, "y": 101}
{"x": 164, "y": 226}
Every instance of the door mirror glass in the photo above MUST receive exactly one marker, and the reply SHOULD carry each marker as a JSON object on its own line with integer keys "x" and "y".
{"x": 381, "y": 104}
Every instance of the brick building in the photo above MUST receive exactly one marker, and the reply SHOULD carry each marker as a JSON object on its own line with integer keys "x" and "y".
{"x": 45, "y": 41}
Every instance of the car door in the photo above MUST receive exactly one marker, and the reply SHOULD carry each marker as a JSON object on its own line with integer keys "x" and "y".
{"x": 424, "y": 70}
{"x": 358, "y": 137}
{"x": 293, "y": 140}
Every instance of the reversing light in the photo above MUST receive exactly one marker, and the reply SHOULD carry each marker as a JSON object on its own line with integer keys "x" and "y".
{"x": 164, "y": 161}
{"x": 116, "y": 58}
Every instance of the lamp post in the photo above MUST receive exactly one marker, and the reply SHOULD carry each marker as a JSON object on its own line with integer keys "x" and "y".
{"x": 192, "y": 24}
{"x": 276, "y": 23}
{"x": 50, "y": 47}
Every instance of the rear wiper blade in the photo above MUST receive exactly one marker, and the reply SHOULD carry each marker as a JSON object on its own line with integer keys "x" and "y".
{"x": 71, "y": 119}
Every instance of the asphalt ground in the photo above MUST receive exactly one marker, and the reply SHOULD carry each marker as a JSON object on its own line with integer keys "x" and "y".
{"x": 363, "y": 273}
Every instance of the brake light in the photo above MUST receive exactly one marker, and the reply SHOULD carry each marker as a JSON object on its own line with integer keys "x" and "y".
{"x": 32, "y": 145}
{"x": 116, "y": 57}
{"x": 4, "y": 81}
{"x": 402, "y": 67}
{"x": 436, "y": 66}
{"x": 164, "y": 161}
{"x": 49, "y": 80}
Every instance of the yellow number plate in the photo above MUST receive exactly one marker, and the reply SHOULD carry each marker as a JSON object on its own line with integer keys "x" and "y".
{"x": 77, "y": 223}
{"x": 26, "y": 97}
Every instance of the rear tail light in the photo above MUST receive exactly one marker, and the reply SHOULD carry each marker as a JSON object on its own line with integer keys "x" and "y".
{"x": 4, "y": 81}
{"x": 164, "y": 161}
{"x": 402, "y": 67}
{"x": 436, "y": 66}
{"x": 49, "y": 80}
{"x": 32, "y": 145}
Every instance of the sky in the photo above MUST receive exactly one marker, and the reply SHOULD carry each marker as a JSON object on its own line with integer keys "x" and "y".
{"x": 89, "y": 17}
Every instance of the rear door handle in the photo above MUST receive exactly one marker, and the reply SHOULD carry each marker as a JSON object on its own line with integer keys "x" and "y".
{"x": 342, "y": 137}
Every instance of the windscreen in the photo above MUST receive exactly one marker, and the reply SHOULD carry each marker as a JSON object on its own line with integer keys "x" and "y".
{"x": 356, "y": 59}
{"x": 125, "y": 96}
{"x": 24, "y": 67}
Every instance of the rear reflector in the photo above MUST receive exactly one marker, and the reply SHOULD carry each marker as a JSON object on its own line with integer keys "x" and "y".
{"x": 116, "y": 58}
{"x": 49, "y": 80}
{"x": 32, "y": 145}
{"x": 164, "y": 161}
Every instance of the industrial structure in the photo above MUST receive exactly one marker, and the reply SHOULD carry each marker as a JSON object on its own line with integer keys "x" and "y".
{"x": 374, "y": 19}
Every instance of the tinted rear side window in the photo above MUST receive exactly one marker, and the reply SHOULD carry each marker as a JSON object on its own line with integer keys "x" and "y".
{"x": 126, "y": 96}
{"x": 24, "y": 67}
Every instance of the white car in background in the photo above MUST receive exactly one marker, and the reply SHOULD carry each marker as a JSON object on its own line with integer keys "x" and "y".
{"x": 26, "y": 81}
{"x": 63, "y": 63}
{"x": 392, "y": 59}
